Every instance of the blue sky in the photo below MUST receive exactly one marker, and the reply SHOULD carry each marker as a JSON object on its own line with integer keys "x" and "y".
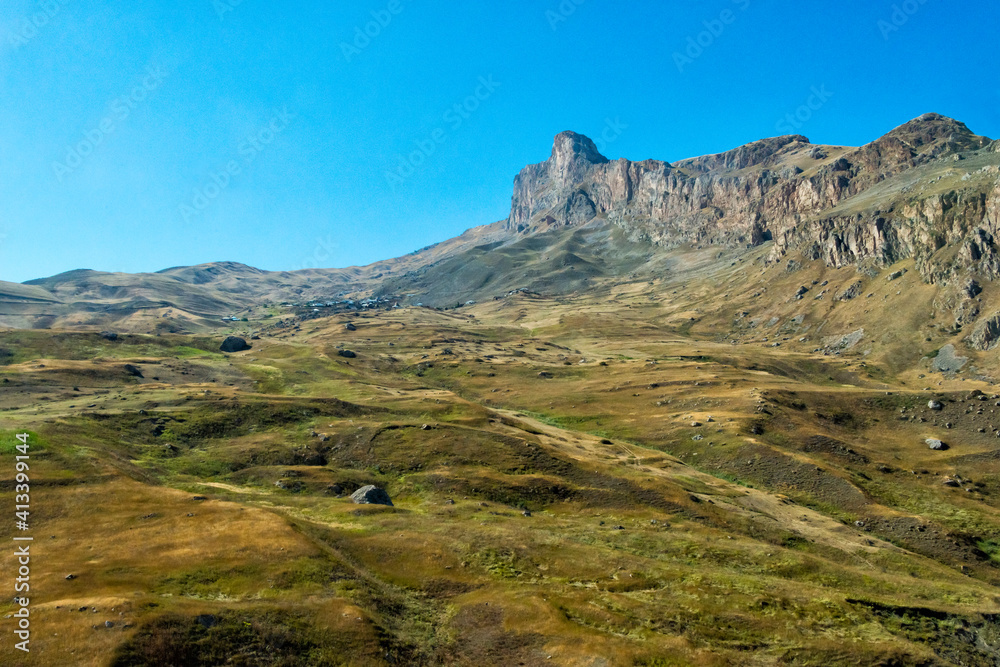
{"x": 139, "y": 136}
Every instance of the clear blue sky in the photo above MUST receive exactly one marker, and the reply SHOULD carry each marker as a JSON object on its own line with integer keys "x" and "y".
{"x": 174, "y": 93}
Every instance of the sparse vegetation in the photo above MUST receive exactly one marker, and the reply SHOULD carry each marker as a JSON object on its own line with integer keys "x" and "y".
{"x": 680, "y": 504}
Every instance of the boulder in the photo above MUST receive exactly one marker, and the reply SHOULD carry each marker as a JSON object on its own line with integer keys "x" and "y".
{"x": 934, "y": 405}
{"x": 133, "y": 371}
{"x": 371, "y": 495}
{"x": 234, "y": 344}
{"x": 936, "y": 444}
{"x": 109, "y": 335}
{"x": 545, "y": 375}
{"x": 350, "y": 327}
{"x": 347, "y": 354}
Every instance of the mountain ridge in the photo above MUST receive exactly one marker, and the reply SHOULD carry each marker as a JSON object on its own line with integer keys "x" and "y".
{"x": 903, "y": 195}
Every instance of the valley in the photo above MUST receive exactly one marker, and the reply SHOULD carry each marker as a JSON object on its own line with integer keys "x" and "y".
{"x": 589, "y": 479}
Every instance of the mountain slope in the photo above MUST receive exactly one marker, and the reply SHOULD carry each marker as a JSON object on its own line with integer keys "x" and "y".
{"x": 928, "y": 190}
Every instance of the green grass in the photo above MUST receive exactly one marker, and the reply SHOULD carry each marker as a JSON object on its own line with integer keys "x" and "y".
{"x": 9, "y": 443}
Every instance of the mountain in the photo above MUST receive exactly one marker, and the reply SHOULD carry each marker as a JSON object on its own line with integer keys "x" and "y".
{"x": 928, "y": 191}
{"x": 738, "y": 409}
{"x": 784, "y": 189}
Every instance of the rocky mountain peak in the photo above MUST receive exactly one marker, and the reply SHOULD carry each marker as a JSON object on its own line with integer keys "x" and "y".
{"x": 934, "y": 131}
{"x": 572, "y": 157}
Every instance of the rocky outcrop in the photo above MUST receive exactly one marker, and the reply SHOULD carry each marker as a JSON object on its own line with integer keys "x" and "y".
{"x": 986, "y": 336}
{"x": 828, "y": 201}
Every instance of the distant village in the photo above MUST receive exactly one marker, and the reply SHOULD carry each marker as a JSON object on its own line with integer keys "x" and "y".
{"x": 322, "y": 308}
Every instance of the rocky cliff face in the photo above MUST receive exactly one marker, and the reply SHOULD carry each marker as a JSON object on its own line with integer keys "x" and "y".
{"x": 930, "y": 190}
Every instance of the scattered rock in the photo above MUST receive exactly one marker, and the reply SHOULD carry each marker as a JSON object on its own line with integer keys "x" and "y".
{"x": 895, "y": 275}
{"x": 133, "y": 370}
{"x": 109, "y": 624}
{"x": 234, "y": 344}
{"x": 70, "y": 577}
{"x": 947, "y": 361}
{"x": 851, "y": 292}
{"x": 350, "y": 327}
{"x": 371, "y": 495}
{"x": 948, "y": 481}
{"x": 546, "y": 375}
{"x": 347, "y": 354}
{"x": 109, "y": 335}
{"x": 935, "y": 444}
{"x": 845, "y": 342}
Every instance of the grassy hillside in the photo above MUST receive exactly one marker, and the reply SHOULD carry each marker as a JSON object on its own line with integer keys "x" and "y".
{"x": 633, "y": 476}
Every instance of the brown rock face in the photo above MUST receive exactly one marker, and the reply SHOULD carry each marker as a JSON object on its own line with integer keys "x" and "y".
{"x": 883, "y": 202}
{"x": 987, "y": 335}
